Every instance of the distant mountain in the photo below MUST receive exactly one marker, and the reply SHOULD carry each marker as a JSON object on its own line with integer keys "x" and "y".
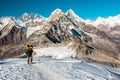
{"x": 91, "y": 40}
{"x": 111, "y": 21}
{"x": 26, "y": 17}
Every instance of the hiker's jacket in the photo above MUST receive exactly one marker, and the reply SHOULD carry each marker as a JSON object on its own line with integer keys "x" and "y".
{"x": 28, "y": 50}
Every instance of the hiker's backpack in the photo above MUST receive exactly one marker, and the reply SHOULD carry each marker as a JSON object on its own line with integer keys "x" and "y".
{"x": 26, "y": 48}
{"x": 30, "y": 47}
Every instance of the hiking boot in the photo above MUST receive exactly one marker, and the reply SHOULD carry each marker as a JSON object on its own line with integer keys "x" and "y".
{"x": 30, "y": 62}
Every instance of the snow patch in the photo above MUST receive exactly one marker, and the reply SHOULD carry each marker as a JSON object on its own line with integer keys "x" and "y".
{"x": 71, "y": 27}
{"x": 55, "y": 52}
{"x": 30, "y": 30}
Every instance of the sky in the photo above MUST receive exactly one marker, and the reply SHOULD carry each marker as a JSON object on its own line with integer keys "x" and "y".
{"x": 86, "y": 9}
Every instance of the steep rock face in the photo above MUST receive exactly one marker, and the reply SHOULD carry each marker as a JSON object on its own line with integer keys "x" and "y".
{"x": 114, "y": 35}
{"x": 10, "y": 36}
{"x": 63, "y": 25}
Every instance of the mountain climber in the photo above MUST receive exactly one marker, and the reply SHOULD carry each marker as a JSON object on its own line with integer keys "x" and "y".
{"x": 28, "y": 50}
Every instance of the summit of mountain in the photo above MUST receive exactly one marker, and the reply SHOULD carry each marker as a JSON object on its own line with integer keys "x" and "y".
{"x": 72, "y": 14}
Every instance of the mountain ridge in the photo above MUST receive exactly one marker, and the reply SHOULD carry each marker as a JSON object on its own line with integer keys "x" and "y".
{"x": 110, "y": 21}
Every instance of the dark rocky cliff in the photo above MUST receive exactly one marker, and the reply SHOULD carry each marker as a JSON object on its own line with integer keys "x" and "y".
{"x": 11, "y": 40}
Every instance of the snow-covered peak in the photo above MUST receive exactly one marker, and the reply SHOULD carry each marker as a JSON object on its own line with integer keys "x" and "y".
{"x": 89, "y": 21}
{"x": 26, "y": 17}
{"x": 70, "y": 11}
{"x": 110, "y": 21}
{"x": 25, "y": 14}
{"x": 100, "y": 20}
{"x": 56, "y": 14}
{"x": 72, "y": 14}
{"x": 56, "y": 11}
{"x": 6, "y": 20}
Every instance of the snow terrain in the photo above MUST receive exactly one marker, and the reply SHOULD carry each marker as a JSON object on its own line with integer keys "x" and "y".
{"x": 63, "y": 68}
{"x": 56, "y": 69}
{"x": 55, "y": 52}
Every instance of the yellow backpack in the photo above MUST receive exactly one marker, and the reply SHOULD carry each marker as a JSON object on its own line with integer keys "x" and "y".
{"x": 30, "y": 47}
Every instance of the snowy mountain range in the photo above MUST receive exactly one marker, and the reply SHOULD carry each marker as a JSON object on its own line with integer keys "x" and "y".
{"x": 111, "y": 21}
{"x": 65, "y": 47}
{"x": 86, "y": 38}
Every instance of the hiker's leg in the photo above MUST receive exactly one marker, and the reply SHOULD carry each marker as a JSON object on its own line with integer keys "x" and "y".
{"x": 31, "y": 59}
{"x": 28, "y": 60}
